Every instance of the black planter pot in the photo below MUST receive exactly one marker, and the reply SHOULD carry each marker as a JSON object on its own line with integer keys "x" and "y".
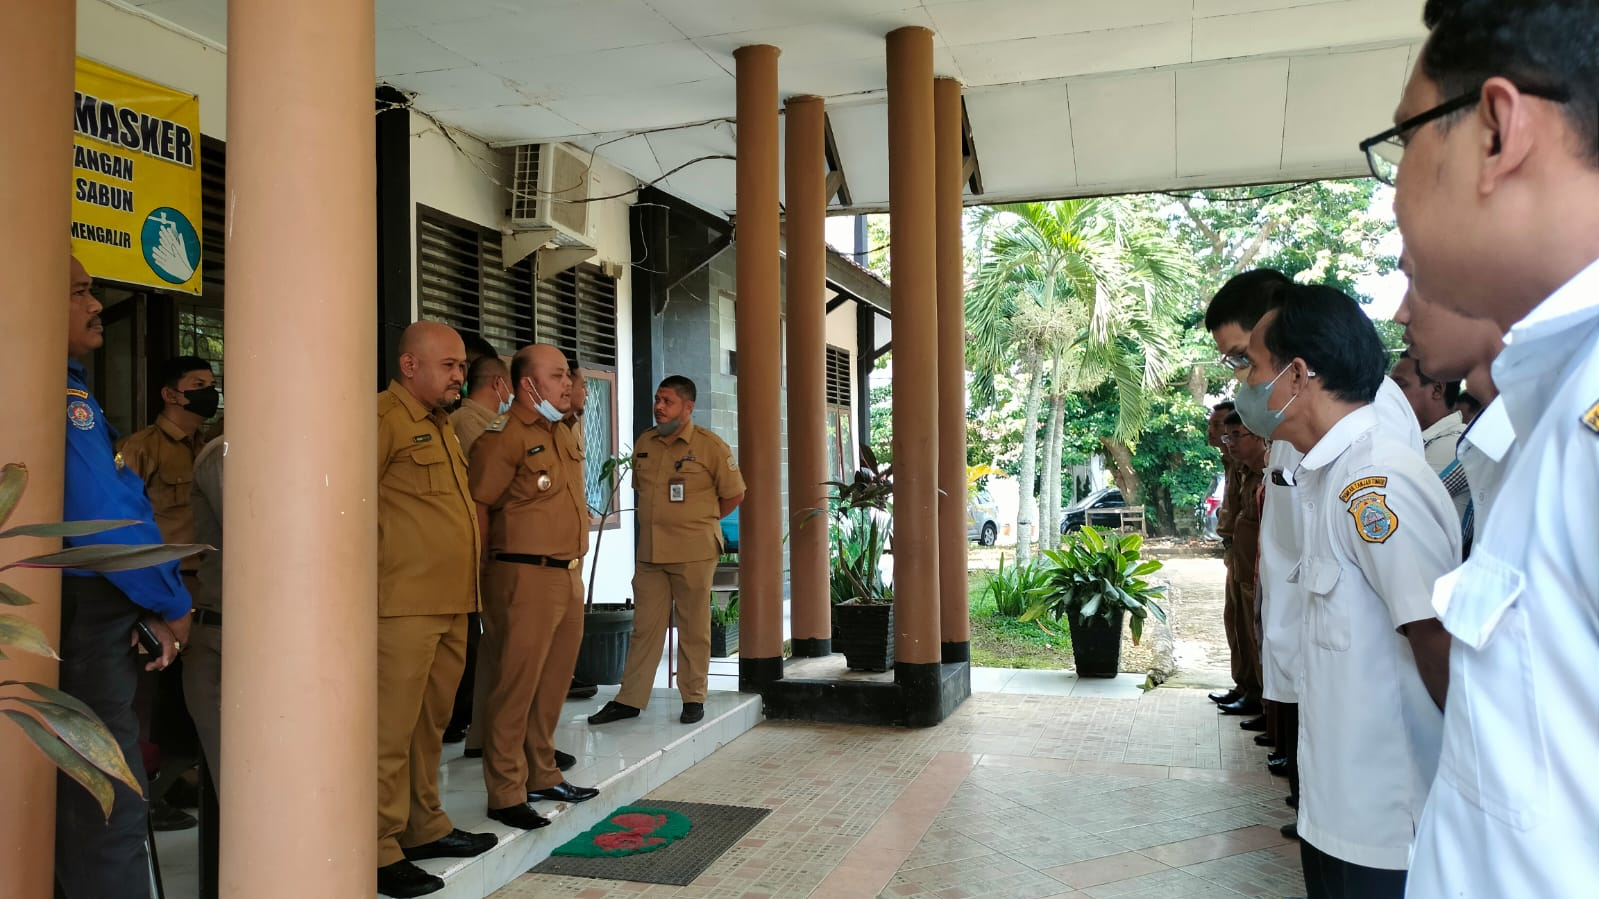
{"x": 1097, "y": 646}
{"x": 603, "y": 655}
{"x": 865, "y": 635}
{"x": 724, "y": 639}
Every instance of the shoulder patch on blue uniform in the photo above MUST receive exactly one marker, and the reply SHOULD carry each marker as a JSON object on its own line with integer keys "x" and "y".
{"x": 80, "y": 394}
{"x": 81, "y": 415}
{"x": 1374, "y": 521}
{"x": 1591, "y": 418}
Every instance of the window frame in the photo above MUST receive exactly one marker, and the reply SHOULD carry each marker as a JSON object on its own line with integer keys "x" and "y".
{"x": 609, "y": 375}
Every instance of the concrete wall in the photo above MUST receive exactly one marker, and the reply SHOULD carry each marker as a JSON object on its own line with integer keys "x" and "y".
{"x": 154, "y": 51}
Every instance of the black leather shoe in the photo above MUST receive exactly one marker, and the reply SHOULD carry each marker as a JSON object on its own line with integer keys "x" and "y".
{"x": 1277, "y": 756}
{"x": 455, "y": 844}
{"x": 613, "y": 711}
{"x": 1265, "y": 740}
{"x": 1254, "y": 723}
{"x": 522, "y": 817}
{"x": 1278, "y": 767}
{"x": 562, "y": 792}
{"x": 563, "y": 761}
{"x": 470, "y": 753}
{"x": 403, "y": 879}
{"x": 581, "y": 690}
{"x": 1244, "y": 706}
{"x": 1291, "y": 831}
{"x": 692, "y": 712}
{"x": 165, "y": 818}
{"x": 1224, "y": 698}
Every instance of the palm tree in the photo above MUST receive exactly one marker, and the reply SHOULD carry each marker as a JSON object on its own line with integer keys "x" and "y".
{"x": 1088, "y": 288}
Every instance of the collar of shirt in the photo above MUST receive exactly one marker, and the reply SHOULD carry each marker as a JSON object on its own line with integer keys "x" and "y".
{"x": 76, "y": 370}
{"x": 1452, "y": 423}
{"x": 414, "y": 406}
{"x": 1539, "y": 348}
{"x": 486, "y": 411}
{"x": 685, "y": 434}
{"x": 175, "y": 433}
{"x": 1491, "y": 433}
{"x": 530, "y": 417}
{"x": 1339, "y": 437}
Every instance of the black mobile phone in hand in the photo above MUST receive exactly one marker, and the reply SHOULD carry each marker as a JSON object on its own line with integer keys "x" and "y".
{"x": 148, "y": 639}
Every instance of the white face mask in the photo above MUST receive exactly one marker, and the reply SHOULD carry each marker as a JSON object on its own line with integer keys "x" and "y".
{"x": 544, "y": 407}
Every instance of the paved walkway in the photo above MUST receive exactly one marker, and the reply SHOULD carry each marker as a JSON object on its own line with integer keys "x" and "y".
{"x": 1017, "y": 795}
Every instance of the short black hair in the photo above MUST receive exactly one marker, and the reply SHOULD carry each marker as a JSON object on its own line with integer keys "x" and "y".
{"x": 482, "y": 371}
{"x": 1233, "y": 418}
{"x": 1223, "y": 406}
{"x": 1546, "y": 44}
{"x": 173, "y": 370}
{"x": 476, "y": 346}
{"x": 1244, "y": 299}
{"x": 684, "y": 387}
{"x": 1451, "y": 388}
{"x": 1326, "y": 327}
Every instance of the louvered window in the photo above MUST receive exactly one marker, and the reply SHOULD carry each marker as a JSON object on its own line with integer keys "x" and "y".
{"x": 838, "y": 384}
{"x": 576, "y": 311}
{"x": 213, "y": 220}
{"x": 461, "y": 281}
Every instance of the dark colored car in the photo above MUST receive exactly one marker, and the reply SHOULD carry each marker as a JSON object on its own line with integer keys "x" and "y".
{"x": 1077, "y": 513}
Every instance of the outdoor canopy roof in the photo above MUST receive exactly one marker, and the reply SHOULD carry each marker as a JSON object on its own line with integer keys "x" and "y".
{"x": 1064, "y": 97}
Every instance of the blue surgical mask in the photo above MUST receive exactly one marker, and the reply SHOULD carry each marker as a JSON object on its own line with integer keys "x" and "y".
{"x": 544, "y": 407}
{"x": 1252, "y": 403}
{"x": 505, "y": 404}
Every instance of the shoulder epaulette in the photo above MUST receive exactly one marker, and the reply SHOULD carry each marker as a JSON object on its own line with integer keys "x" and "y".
{"x": 498, "y": 424}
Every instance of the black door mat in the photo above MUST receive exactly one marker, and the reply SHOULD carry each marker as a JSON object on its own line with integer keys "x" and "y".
{"x": 713, "y": 830}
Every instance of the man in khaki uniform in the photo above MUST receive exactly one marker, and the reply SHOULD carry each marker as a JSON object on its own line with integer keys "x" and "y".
{"x": 687, "y": 482}
{"x": 427, "y": 583}
{"x": 527, "y": 481}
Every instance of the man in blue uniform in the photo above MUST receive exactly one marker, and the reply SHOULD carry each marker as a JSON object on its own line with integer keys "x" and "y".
{"x": 97, "y": 858}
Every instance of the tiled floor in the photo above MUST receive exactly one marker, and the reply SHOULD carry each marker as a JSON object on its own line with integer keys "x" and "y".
{"x": 1146, "y": 796}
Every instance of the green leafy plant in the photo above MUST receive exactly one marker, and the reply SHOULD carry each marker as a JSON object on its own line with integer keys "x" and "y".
{"x": 860, "y": 531}
{"x": 1010, "y": 589}
{"x": 724, "y": 615}
{"x": 68, "y": 732}
{"x": 613, "y": 471}
{"x": 1095, "y": 578}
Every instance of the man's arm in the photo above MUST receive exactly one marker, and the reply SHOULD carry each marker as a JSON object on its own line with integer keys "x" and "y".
{"x": 1429, "y": 643}
{"x": 483, "y": 527}
{"x": 728, "y": 504}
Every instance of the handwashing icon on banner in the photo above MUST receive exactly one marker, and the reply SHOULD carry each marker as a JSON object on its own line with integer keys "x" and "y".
{"x": 171, "y": 246}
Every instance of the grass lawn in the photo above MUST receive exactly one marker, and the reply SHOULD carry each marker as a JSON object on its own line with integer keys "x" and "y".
{"x": 999, "y": 642}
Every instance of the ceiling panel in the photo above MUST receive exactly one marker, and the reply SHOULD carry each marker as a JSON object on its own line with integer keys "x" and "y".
{"x": 401, "y": 51}
{"x": 862, "y": 135}
{"x": 509, "y": 123}
{"x": 610, "y": 71}
{"x": 1230, "y": 117}
{"x": 1055, "y": 56}
{"x": 651, "y": 107}
{"x": 554, "y": 31}
{"x": 989, "y": 21}
{"x": 1332, "y": 100}
{"x": 1124, "y": 128}
{"x": 1313, "y": 26}
{"x": 1045, "y": 158}
{"x": 851, "y": 37}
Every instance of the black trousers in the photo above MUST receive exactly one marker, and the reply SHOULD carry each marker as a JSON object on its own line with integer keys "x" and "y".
{"x": 1287, "y": 714}
{"x": 1333, "y": 878}
{"x": 96, "y": 858}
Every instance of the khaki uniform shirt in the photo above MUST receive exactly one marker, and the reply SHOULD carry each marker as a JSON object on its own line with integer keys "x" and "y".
{"x": 208, "y": 523}
{"x": 427, "y": 526}
{"x": 679, "y": 480}
{"x": 530, "y": 476}
{"x": 470, "y": 420}
{"x": 1244, "y": 554}
{"x": 1231, "y": 501}
{"x": 164, "y": 458}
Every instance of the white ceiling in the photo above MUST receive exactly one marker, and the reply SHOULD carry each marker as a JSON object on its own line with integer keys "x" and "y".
{"x": 1065, "y": 97}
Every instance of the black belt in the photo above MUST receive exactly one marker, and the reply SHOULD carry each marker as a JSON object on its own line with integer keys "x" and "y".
{"x": 542, "y": 561}
{"x": 206, "y": 616}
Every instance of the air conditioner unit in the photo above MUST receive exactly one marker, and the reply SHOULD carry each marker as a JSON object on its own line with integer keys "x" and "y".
{"x": 548, "y": 178}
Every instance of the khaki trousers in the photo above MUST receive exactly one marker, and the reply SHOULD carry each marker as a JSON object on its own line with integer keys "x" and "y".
{"x": 657, "y": 590}
{"x": 202, "y": 691}
{"x": 537, "y": 615}
{"x": 1238, "y": 617}
{"x": 488, "y": 660}
{"x": 420, "y": 658}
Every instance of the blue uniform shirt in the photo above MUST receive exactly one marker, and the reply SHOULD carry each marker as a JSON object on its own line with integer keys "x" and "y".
{"x": 98, "y": 489}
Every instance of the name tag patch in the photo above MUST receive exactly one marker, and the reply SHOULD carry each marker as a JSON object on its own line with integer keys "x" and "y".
{"x": 1374, "y": 521}
{"x": 1360, "y": 485}
{"x": 675, "y": 491}
{"x": 422, "y": 438}
{"x": 536, "y": 450}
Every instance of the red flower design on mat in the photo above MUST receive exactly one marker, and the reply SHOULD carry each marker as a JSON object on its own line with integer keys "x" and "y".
{"x": 639, "y": 827}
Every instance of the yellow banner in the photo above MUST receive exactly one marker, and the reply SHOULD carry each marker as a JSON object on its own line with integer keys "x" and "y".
{"x": 135, "y": 180}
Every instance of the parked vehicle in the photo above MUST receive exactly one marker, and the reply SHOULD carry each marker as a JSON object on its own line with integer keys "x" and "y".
{"x": 1077, "y": 513}
{"x": 982, "y": 519}
{"x": 1209, "y": 508}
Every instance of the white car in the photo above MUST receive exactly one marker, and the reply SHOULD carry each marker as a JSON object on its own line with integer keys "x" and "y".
{"x": 982, "y": 519}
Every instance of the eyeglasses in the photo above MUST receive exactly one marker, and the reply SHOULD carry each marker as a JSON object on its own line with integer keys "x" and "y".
{"x": 1384, "y": 151}
{"x": 1234, "y": 361}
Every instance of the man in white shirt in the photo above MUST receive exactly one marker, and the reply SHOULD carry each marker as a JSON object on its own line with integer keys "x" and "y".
{"x": 1378, "y": 530}
{"x": 1496, "y": 164}
{"x": 1231, "y": 318}
{"x": 1433, "y": 401}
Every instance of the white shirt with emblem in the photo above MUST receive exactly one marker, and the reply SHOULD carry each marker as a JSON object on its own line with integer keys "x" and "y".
{"x": 1281, "y": 601}
{"x": 1515, "y": 810}
{"x": 1379, "y": 530}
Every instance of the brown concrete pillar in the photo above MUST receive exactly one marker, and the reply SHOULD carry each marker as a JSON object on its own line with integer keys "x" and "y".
{"x": 912, "y": 239}
{"x": 806, "y": 205}
{"x": 36, "y": 54}
{"x": 299, "y": 719}
{"x": 759, "y": 362}
{"x": 955, "y": 624}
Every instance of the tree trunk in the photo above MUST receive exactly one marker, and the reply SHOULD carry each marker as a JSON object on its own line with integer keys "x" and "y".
{"x": 1049, "y": 501}
{"x": 1026, "y": 505}
{"x": 1196, "y": 384}
{"x": 1122, "y": 471}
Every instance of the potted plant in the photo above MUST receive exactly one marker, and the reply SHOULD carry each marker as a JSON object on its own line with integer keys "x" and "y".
{"x": 1094, "y": 582}
{"x": 68, "y": 732}
{"x": 602, "y": 656}
{"x": 724, "y": 626}
{"x": 863, "y": 599}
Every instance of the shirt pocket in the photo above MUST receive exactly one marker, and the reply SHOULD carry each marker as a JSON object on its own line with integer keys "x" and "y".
{"x": 1325, "y": 617}
{"x": 429, "y": 473}
{"x": 1495, "y": 752}
{"x": 172, "y": 489}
